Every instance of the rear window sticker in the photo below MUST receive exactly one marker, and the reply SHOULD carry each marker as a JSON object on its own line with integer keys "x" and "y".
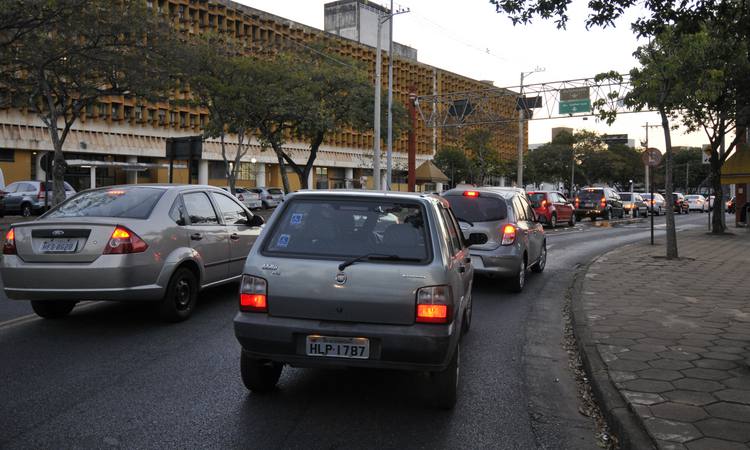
{"x": 283, "y": 241}
{"x": 296, "y": 218}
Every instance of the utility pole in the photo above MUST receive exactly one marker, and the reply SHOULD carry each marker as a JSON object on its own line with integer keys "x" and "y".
{"x": 687, "y": 177}
{"x": 376, "y": 138}
{"x": 521, "y": 114}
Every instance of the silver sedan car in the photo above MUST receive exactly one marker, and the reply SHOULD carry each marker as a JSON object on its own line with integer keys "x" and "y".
{"x": 161, "y": 243}
{"x": 511, "y": 238}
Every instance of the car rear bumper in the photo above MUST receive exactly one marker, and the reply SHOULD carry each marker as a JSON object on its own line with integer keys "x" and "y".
{"x": 104, "y": 279}
{"x": 589, "y": 212}
{"x": 492, "y": 263}
{"x": 421, "y": 347}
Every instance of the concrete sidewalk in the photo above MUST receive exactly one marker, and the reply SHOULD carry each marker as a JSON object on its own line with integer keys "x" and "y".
{"x": 667, "y": 343}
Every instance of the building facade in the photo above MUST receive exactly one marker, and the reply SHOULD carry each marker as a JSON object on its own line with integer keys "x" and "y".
{"x": 123, "y": 140}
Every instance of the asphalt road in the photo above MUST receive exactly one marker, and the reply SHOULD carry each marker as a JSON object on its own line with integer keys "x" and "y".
{"x": 113, "y": 375}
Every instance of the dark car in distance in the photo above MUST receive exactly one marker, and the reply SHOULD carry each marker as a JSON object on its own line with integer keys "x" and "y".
{"x": 680, "y": 204}
{"x": 598, "y": 202}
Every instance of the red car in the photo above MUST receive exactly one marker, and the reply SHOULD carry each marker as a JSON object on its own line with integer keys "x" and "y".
{"x": 552, "y": 208}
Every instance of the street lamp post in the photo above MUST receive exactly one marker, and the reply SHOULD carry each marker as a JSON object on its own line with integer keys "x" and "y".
{"x": 521, "y": 113}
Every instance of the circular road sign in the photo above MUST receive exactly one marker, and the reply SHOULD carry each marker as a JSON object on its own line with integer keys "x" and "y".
{"x": 651, "y": 157}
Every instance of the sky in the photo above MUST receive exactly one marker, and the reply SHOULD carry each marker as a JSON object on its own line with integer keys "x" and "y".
{"x": 469, "y": 38}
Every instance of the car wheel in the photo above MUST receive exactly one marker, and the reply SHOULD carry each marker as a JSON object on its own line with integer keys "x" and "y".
{"x": 608, "y": 215}
{"x": 593, "y": 218}
{"x": 542, "y": 262}
{"x": 181, "y": 296}
{"x": 572, "y": 220}
{"x": 259, "y": 376}
{"x": 519, "y": 281}
{"x": 53, "y": 309}
{"x": 467, "y": 318}
{"x": 553, "y": 221}
{"x": 445, "y": 382}
{"x": 26, "y": 210}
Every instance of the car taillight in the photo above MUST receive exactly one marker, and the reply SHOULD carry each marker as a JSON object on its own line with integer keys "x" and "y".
{"x": 509, "y": 234}
{"x": 578, "y": 202}
{"x": 544, "y": 203}
{"x": 9, "y": 247}
{"x": 253, "y": 292}
{"x": 434, "y": 304}
{"x": 603, "y": 201}
{"x": 471, "y": 194}
{"x": 42, "y": 192}
{"x": 123, "y": 241}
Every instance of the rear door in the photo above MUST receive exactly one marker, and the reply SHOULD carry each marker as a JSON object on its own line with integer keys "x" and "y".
{"x": 459, "y": 264}
{"x": 208, "y": 237}
{"x": 536, "y": 232}
{"x": 564, "y": 210}
{"x": 12, "y": 200}
{"x": 241, "y": 236}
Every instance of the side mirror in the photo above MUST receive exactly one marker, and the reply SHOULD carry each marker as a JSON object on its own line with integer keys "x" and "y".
{"x": 255, "y": 221}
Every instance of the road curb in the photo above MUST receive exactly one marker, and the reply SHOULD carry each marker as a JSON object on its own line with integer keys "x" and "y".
{"x": 622, "y": 421}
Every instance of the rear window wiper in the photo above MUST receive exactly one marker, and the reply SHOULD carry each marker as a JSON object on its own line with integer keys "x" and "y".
{"x": 377, "y": 256}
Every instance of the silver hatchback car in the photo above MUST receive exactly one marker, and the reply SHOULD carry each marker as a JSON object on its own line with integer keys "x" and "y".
{"x": 510, "y": 238}
{"x": 137, "y": 242}
{"x": 358, "y": 279}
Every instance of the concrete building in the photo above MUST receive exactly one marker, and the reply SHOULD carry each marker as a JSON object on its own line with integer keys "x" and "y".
{"x": 123, "y": 140}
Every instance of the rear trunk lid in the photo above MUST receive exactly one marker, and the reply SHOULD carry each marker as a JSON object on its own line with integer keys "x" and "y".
{"x": 364, "y": 292}
{"x": 63, "y": 240}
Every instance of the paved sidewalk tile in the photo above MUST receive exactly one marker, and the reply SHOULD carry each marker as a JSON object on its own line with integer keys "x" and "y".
{"x": 675, "y": 336}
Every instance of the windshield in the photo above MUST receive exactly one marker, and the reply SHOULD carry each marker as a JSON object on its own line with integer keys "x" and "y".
{"x": 275, "y": 191}
{"x": 478, "y": 209}
{"x": 130, "y": 202}
{"x": 345, "y": 228}
{"x": 625, "y": 196}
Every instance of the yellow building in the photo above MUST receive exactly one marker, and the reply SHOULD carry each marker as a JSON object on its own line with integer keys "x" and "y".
{"x": 121, "y": 141}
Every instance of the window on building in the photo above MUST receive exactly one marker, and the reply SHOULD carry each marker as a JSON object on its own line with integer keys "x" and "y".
{"x": 103, "y": 110}
{"x": 216, "y": 170}
{"x": 162, "y": 117}
{"x": 246, "y": 171}
{"x": 128, "y": 112}
{"x": 7, "y": 155}
{"x": 115, "y": 110}
{"x": 172, "y": 118}
{"x": 151, "y": 114}
{"x": 139, "y": 113}
{"x": 321, "y": 177}
{"x": 183, "y": 119}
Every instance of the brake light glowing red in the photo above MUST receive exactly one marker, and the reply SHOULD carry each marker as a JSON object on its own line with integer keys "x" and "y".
{"x": 509, "y": 234}
{"x": 544, "y": 203}
{"x": 9, "y": 247}
{"x": 123, "y": 241}
{"x": 604, "y": 202}
{"x": 42, "y": 192}
{"x": 253, "y": 292}
{"x": 253, "y": 302}
{"x": 471, "y": 194}
{"x": 432, "y": 313}
{"x": 578, "y": 202}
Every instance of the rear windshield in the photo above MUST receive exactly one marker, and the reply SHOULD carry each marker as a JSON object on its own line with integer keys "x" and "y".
{"x": 344, "y": 228}
{"x": 478, "y": 209}
{"x": 275, "y": 191}
{"x": 131, "y": 202}
{"x": 593, "y": 195}
{"x": 536, "y": 199}
{"x": 625, "y": 197}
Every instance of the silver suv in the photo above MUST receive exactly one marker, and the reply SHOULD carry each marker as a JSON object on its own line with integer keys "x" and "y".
{"x": 28, "y": 197}
{"x": 356, "y": 279}
{"x": 510, "y": 238}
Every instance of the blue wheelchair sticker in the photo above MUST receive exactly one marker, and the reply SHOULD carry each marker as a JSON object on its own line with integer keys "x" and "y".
{"x": 297, "y": 218}
{"x": 283, "y": 241}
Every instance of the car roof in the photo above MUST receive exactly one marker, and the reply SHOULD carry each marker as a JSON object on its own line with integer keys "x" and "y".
{"x": 359, "y": 193}
{"x": 503, "y": 192}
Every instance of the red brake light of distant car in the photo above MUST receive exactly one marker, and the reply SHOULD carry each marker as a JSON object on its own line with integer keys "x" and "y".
{"x": 578, "y": 202}
{"x": 434, "y": 304}
{"x": 42, "y": 192}
{"x": 9, "y": 247}
{"x": 253, "y": 291}
{"x": 509, "y": 234}
{"x": 123, "y": 241}
{"x": 544, "y": 203}
{"x": 603, "y": 201}
{"x": 471, "y": 194}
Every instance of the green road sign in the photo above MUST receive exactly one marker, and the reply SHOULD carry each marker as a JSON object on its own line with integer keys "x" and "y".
{"x": 575, "y": 100}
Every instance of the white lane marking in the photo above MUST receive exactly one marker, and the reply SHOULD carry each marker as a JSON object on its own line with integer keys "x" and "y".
{"x": 32, "y": 317}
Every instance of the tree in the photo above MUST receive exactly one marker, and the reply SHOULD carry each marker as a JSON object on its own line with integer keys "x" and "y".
{"x": 453, "y": 162}
{"x": 484, "y": 158}
{"x": 95, "y": 50}
{"x": 225, "y": 84}
{"x": 19, "y": 17}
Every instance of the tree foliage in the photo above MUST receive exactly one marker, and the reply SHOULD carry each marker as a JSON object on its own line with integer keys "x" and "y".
{"x": 454, "y": 163}
{"x": 91, "y": 50}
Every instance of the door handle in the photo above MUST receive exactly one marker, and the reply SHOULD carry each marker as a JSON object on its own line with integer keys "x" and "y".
{"x": 196, "y": 236}
{"x": 234, "y": 236}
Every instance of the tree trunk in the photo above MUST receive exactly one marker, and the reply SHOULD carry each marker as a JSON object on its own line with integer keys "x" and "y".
{"x": 668, "y": 189}
{"x": 282, "y": 166}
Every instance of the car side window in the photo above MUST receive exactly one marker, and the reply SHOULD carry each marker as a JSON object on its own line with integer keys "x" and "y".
{"x": 527, "y": 207}
{"x": 199, "y": 209}
{"x": 177, "y": 213}
{"x": 11, "y": 188}
{"x": 231, "y": 211}
{"x": 519, "y": 210}
{"x": 455, "y": 240}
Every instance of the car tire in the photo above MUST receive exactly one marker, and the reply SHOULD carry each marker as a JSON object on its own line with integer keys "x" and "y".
{"x": 259, "y": 376}
{"x": 53, "y": 309}
{"x": 181, "y": 296}
{"x": 593, "y": 218}
{"x": 445, "y": 382}
{"x": 26, "y": 210}
{"x": 608, "y": 215}
{"x": 553, "y": 221}
{"x": 542, "y": 262}
{"x": 466, "y": 325}
{"x": 517, "y": 283}
{"x": 572, "y": 221}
